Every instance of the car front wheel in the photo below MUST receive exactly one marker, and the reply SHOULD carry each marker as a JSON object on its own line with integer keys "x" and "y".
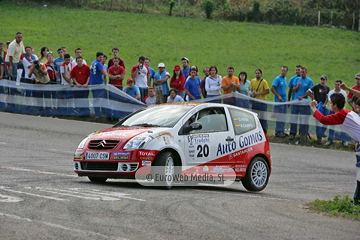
{"x": 164, "y": 169}
{"x": 257, "y": 175}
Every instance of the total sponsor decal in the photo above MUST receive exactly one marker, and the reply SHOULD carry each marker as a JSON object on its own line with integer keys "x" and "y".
{"x": 121, "y": 155}
{"x": 146, "y": 153}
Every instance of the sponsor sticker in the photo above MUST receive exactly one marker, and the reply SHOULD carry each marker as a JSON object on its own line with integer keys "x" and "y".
{"x": 146, "y": 163}
{"x": 146, "y": 153}
{"x": 164, "y": 133}
{"x": 146, "y": 158}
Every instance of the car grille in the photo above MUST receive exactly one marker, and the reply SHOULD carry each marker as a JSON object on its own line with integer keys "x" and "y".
{"x": 109, "y": 166}
{"x": 103, "y": 144}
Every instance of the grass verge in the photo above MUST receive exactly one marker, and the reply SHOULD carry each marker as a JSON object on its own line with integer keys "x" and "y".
{"x": 339, "y": 206}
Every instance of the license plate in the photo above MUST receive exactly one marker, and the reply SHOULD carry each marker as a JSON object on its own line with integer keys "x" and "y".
{"x": 98, "y": 155}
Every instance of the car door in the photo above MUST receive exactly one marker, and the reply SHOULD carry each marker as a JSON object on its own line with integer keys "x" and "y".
{"x": 212, "y": 144}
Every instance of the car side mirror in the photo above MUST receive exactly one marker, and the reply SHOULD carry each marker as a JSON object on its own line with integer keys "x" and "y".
{"x": 193, "y": 126}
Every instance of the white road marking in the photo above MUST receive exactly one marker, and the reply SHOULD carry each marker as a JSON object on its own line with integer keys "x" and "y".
{"x": 32, "y": 194}
{"x": 90, "y": 194}
{"x": 5, "y": 198}
{"x": 37, "y": 171}
{"x": 60, "y": 226}
{"x": 2, "y": 143}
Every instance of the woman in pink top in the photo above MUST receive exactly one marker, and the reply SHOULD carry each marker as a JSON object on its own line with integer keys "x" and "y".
{"x": 178, "y": 81}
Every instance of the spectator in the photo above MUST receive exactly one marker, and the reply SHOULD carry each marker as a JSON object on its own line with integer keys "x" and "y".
{"x": 177, "y": 81}
{"x": 78, "y": 53}
{"x": 350, "y": 122}
{"x": 40, "y": 72}
{"x": 355, "y": 87}
{"x": 131, "y": 89}
{"x": 115, "y": 51}
{"x": 192, "y": 86}
{"x": 105, "y": 66}
{"x": 2, "y": 60}
{"x": 6, "y": 70}
{"x": 27, "y": 63}
{"x": 230, "y": 84}
{"x": 259, "y": 89}
{"x": 65, "y": 71}
{"x": 141, "y": 74}
{"x": 51, "y": 68}
{"x": 203, "y": 81}
{"x": 244, "y": 89}
{"x": 65, "y": 52}
{"x": 151, "y": 98}
{"x": 97, "y": 72}
{"x": 43, "y": 54}
{"x": 58, "y": 61}
{"x": 278, "y": 88}
{"x": 213, "y": 84}
{"x": 160, "y": 81}
{"x": 185, "y": 69}
{"x": 15, "y": 51}
{"x": 152, "y": 72}
{"x": 291, "y": 96}
{"x": 116, "y": 74}
{"x": 80, "y": 75}
{"x": 174, "y": 97}
{"x": 336, "y": 89}
{"x": 300, "y": 87}
{"x": 319, "y": 93}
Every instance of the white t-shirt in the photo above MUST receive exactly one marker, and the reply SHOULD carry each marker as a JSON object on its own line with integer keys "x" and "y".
{"x": 74, "y": 63}
{"x": 141, "y": 79}
{"x": 176, "y": 99}
{"x": 67, "y": 70}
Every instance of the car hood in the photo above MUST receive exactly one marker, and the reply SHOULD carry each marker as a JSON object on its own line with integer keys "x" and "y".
{"x": 126, "y": 133}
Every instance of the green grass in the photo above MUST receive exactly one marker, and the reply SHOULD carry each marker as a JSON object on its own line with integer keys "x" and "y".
{"x": 246, "y": 46}
{"x": 338, "y": 207}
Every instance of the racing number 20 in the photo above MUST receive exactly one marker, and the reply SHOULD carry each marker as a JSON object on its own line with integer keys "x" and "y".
{"x": 203, "y": 150}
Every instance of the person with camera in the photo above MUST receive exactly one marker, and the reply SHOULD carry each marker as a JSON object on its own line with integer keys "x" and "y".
{"x": 141, "y": 74}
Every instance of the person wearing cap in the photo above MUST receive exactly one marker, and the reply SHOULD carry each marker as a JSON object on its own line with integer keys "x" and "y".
{"x": 15, "y": 50}
{"x": 185, "y": 69}
{"x": 328, "y": 111}
{"x": 177, "y": 81}
{"x": 131, "y": 89}
{"x": 141, "y": 74}
{"x": 319, "y": 93}
{"x": 160, "y": 81}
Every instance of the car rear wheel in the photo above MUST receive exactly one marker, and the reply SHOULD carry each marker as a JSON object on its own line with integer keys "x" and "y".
{"x": 164, "y": 171}
{"x": 97, "y": 179}
{"x": 257, "y": 175}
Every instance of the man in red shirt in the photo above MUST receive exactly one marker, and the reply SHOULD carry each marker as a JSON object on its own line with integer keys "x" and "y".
{"x": 116, "y": 73}
{"x": 80, "y": 75}
{"x": 350, "y": 122}
{"x": 356, "y": 87}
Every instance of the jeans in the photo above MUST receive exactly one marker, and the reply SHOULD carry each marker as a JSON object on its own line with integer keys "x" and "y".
{"x": 301, "y": 113}
{"x": 260, "y": 108}
{"x": 320, "y": 128}
{"x": 182, "y": 94}
{"x": 280, "y": 111}
{"x": 143, "y": 93}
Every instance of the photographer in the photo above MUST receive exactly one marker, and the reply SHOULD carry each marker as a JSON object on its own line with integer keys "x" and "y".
{"x": 40, "y": 72}
{"x": 141, "y": 74}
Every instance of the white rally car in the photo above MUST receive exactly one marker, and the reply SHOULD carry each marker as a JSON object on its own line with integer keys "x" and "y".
{"x": 210, "y": 136}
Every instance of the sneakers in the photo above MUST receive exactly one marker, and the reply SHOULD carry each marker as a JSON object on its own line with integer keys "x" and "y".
{"x": 356, "y": 203}
{"x": 328, "y": 143}
{"x": 280, "y": 134}
{"x": 292, "y": 136}
{"x": 345, "y": 144}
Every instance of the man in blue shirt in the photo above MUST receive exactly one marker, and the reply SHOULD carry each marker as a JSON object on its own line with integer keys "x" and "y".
{"x": 300, "y": 87}
{"x": 97, "y": 72}
{"x": 160, "y": 80}
{"x": 186, "y": 69}
{"x": 192, "y": 86}
{"x": 291, "y": 96}
{"x": 132, "y": 89}
{"x": 278, "y": 88}
{"x": 152, "y": 71}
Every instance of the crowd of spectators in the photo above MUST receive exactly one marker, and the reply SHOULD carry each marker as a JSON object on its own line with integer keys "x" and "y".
{"x": 183, "y": 84}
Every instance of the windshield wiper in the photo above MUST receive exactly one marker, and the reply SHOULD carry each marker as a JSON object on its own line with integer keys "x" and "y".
{"x": 145, "y": 125}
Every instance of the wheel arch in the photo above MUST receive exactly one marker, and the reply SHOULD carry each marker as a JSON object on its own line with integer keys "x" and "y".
{"x": 265, "y": 158}
{"x": 176, "y": 155}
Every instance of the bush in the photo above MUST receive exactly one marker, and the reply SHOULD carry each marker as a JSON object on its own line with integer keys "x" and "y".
{"x": 208, "y": 7}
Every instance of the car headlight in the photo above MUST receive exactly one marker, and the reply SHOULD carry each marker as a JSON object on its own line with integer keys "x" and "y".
{"x": 82, "y": 143}
{"x": 137, "y": 142}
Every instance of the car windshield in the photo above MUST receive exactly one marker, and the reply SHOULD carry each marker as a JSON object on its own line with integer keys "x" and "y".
{"x": 156, "y": 116}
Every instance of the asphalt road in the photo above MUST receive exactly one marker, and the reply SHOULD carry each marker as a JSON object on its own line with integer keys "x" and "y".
{"x": 42, "y": 198}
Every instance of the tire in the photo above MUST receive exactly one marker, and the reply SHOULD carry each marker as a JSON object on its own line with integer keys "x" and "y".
{"x": 97, "y": 179}
{"x": 165, "y": 164}
{"x": 257, "y": 175}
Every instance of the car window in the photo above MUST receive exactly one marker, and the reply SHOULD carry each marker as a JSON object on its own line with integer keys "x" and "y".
{"x": 211, "y": 119}
{"x": 242, "y": 121}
